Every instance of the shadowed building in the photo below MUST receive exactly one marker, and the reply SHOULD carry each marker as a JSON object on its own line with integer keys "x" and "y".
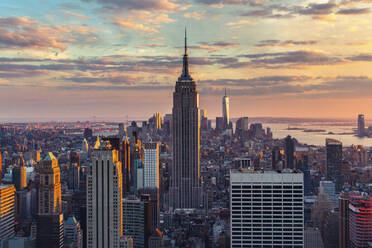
{"x": 185, "y": 190}
{"x": 50, "y": 217}
{"x": 334, "y": 162}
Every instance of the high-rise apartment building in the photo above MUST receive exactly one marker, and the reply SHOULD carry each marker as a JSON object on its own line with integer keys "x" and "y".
{"x": 104, "y": 198}
{"x": 7, "y": 211}
{"x": 334, "y": 162}
{"x": 361, "y": 126}
{"x": 50, "y": 217}
{"x": 266, "y": 209}
{"x": 226, "y": 110}
{"x": 289, "y": 149}
{"x": 185, "y": 188}
{"x": 151, "y": 165}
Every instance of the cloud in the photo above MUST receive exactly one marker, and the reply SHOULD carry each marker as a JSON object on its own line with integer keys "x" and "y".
{"x": 218, "y": 3}
{"x": 197, "y": 15}
{"x": 298, "y": 58}
{"x": 354, "y": 11}
{"x": 130, "y": 24}
{"x": 318, "y": 9}
{"x": 152, "y": 45}
{"x": 286, "y": 43}
{"x": 361, "y": 57}
{"x": 239, "y": 23}
{"x": 151, "y": 5}
{"x": 77, "y": 15}
{"x": 215, "y": 46}
{"x": 27, "y": 33}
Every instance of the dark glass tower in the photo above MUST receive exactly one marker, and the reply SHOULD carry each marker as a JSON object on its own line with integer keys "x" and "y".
{"x": 334, "y": 162}
{"x": 289, "y": 152}
{"x": 185, "y": 190}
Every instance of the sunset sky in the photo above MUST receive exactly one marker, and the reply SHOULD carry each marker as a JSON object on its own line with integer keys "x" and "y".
{"x": 117, "y": 58}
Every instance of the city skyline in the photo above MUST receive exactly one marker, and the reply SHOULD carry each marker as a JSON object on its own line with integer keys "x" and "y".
{"x": 97, "y": 58}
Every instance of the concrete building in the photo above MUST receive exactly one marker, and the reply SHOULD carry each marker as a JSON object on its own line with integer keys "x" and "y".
{"x": 73, "y": 233}
{"x": 104, "y": 198}
{"x": 50, "y": 217}
{"x": 7, "y": 211}
{"x": 151, "y": 165}
{"x": 334, "y": 162}
{"x": 19, "y": 176}
{"x": 137, "y": 220}
{"x": 361, "y": 126}
{"x": 185, "y": 185}
{"x": 360, "y": 222}
{"x": 266, "y": 209}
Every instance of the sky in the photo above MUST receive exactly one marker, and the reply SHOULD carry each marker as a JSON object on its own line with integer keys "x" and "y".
{"x": 120, "y": 59}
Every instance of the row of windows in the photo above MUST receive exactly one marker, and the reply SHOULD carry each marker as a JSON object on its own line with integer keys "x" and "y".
{"x": 275, "y": 220}
{"x": 267, "y": 186}
{"x": 296, "y": 236}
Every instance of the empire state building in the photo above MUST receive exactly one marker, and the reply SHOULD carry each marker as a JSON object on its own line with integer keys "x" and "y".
{"x": 185, "y": 188}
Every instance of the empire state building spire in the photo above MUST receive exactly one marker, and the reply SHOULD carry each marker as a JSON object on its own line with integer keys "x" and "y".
{"x": 185, "y": 68}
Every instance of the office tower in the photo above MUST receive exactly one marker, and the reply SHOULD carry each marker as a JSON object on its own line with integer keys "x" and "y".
{"x": 88, "y": 133}
{"x": 126, "y": 242}
{"x": 360, "y": 222}
{"x": 126, "y": 166}
{"x": 50, "y": 217}
{"x": 104, "y": 198}
{"x": 203, "y": 120}
{"x": 343, "y": 231}
{"x": 157, "y": 121}
{"x": 185, "y": 188}
{"x": 289, "y": 149}
{"x": 50, "y": 186}
{"x": 219, "y": 124}
{"x": 151, "y": 165}
{"x": 7, "y": 211}
{"x": 19, "y": 176}
{"x": 74, "y": 176}
{"x": 1, "y": 168}
{"x": 334, "y": 162}
{"x": 73, "y": 233}
{"x": 137, "y": 220}
{"x": 328, "y": 188}
{"x": 226, "y": 110}
{"x": 241, "y": 126}
{"x": 361, "y": 126}
{"x": 167, "y": 124}
{"x": 276, "y": 158}
{"x": 85, "y": 146}
{"x": 121, "y": 130}
{"x": 155, "y": 204}
{"x": 266, "y": 209}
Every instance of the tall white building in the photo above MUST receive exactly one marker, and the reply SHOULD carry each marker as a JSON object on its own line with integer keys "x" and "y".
{"x": 266, "y": 209}
{"x": 226, "y": 110}
{"x": 151, "y": 165}
{"x": 104, "y": 198}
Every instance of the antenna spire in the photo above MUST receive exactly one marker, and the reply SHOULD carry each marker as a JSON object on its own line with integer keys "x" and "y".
{"x": 185, "y": 41}
{"x": 225, "y": 92}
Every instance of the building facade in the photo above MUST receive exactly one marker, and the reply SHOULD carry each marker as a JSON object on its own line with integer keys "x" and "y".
{"x": 266, "y": 209}
{"x": 334, "y": 162}
{"x": 104, "y": 198}
{"x": 226, "y": 110}
{"x": 151, "y": 165}
{"x": 7, "y": 211}
{"x": 360, "y": 222}
{"x": 361, "y": 125}
{"x": 185, "y": 188}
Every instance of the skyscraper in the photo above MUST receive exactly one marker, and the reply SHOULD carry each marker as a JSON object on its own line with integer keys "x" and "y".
{"x": 226, "y": 110}
{"x": 50, "y": 217}
{"x": 7, "y": 211}
{"x": 151, "y": 165}
{"x": 19, "y": 176}
{"x": 185, "y": 189}
{"x": 266, "y": 209}
{"x": 73, "y": 234}
{"x": 104, "y": 198}
{"x": 289, "y": 148}
{"x": 334, "y": 162}
{"x": 360, "y": 222}
{"x": 241, "y": 126}
{"x": 361, "y": 126}
{"x": 137, "y": 220}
